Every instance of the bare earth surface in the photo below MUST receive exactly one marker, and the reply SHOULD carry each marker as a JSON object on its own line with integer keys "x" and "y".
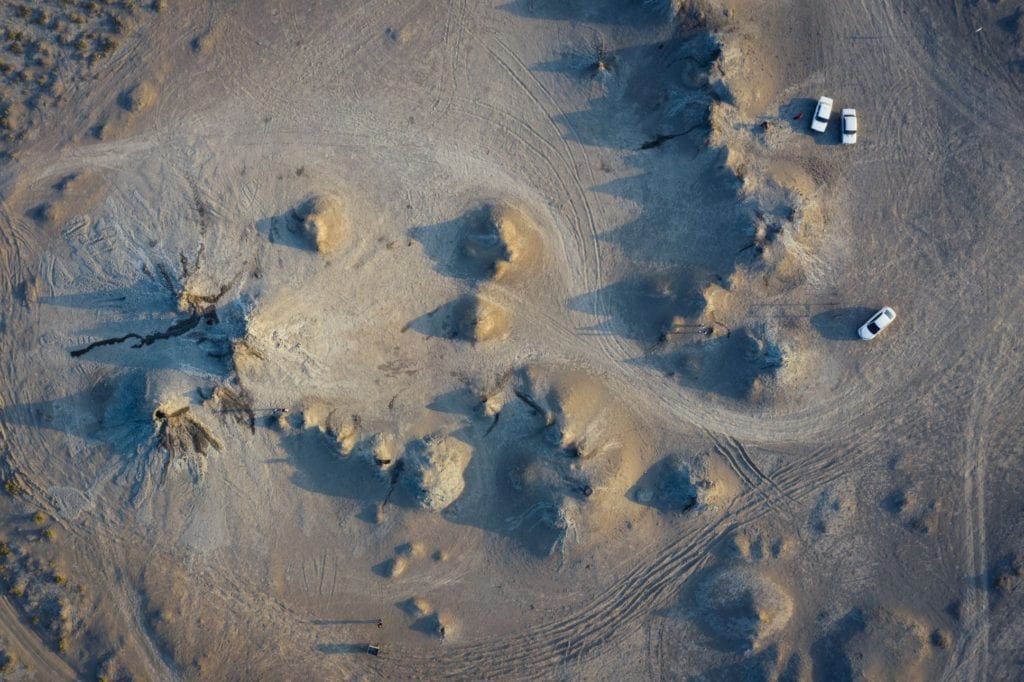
{"x": 350, "y": 340}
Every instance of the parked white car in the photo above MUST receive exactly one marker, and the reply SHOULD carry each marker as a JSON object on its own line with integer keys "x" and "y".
{"x": 849, "y": 119}
{"x": 879, "y": 321}
{"x": 821, "y": 114}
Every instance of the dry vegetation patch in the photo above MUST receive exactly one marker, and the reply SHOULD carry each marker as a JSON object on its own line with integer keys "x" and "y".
{"x": 44, "y": 44}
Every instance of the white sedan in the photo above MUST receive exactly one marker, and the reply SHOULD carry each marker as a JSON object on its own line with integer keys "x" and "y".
{"x": 821, "y": 114}
{"x": 879, "y": 321}
{"x": 849, "y": 119}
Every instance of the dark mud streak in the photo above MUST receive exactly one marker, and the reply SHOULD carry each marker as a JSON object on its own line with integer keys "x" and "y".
{"x": 531, "y": 403}
{"x": 396, "y": 472}
{"x": 497, "y": 416}
{"x": 661, "y": 139}
{"x": 177, "y": 329}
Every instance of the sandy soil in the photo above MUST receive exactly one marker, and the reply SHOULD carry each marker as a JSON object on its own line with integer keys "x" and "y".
{"x": 346, "y": 340}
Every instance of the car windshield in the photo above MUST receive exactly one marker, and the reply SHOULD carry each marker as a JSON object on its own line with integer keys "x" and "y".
{"x": 873, "y": 328}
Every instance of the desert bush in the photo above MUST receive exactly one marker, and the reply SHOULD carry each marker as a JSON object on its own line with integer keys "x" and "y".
{"x": 8, "y": 662}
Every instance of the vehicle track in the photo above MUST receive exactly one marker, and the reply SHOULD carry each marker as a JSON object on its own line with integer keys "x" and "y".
{"x": 585, "y": 232}
{"x": 630, "y": 600}
{"x": 30, "y": 649}
{"x": 997, "y": 383}
{"x": 581, "y": 243}
{"x": 624, "y": 604}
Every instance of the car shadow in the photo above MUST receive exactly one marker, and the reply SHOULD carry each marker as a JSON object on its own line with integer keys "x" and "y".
{"x": 644, "y": 14}
{"x": 344, "y": 648}
{"x": 799, "y": 113}
{"x": 841, "y": 324}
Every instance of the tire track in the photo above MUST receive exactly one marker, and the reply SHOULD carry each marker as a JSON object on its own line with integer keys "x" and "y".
{"x": 43, "y": 661}
{"x": 739, "y": 460}
{"x": 572, "y": 164}
{"x": 618, "y": 613}
{"x": 449, "y": 91}
{"x": 737, "y": 468}
{"x": 972, "y": 654}
{"x": 743, "y": 456}
{"x": 573, "y": 215}
{"x": 510, "y": 129}
{"x": 587, "y": 241}
{"x": 611, "y": 344}
{"x": 579, "y": 633}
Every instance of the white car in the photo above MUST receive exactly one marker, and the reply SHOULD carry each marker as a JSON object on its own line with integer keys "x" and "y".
{"x": 879, "y": 321}
{"x": 849, "y": 119}
{"x": 821, "y": 114}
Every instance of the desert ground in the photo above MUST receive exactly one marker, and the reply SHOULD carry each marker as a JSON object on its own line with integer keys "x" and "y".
{"x": 423, "y": 339}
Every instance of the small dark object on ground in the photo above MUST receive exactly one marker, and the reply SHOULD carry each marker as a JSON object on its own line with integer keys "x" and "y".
{"x": 373, "y": 650}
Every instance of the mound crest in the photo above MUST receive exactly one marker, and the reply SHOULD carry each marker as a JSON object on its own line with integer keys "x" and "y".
{"x": 677, "y": 484}
{"x": 561, "y": 483}
{"x": 478, "y": 319}
{"x": 548, "y": 493}
{"x": 440, "y": 624}
{"x": 742, "y": 608}
{"x": 180, "y": 434}
{"x": 887, "y": 646}
{"x": 324, "y": 221}
{"x": 139, "y": 98}
{"x": 333, "y": 423}
{"x": 579, "y": 420}
{"x": 435, "y": 467}
{"x": 501, "y": 241}
{"x": 737, "y": 365}
{"x": 184, "y": 439}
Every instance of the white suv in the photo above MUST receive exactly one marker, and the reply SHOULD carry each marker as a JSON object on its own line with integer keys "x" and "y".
{"x": 821, "y": 114}
{"x": 877, "y": 323}
{"x": 849, "y": 119}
